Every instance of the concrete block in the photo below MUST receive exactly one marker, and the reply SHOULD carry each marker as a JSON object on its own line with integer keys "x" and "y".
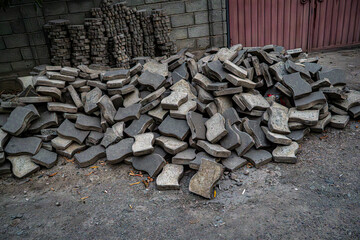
{"x": 154, "y": 1}
{"x": 182, "y": 20}
{"x": 76, "y": 18}
{"x": 16, "y": 40}
{"x": 217, "y": 41}
{"x": 11, "y": 13}
{"x": 224, "y": 15}
{"x": 80, "y": 6}
{"x": 178, "y": 33}
{"x": 196, "y": 5}
{"x": 18, "y": 26}
{"x": 32, "y": 25}
{"x": 186, "y": 43}
{"x": 31, "y": 10}
{"x": 5, "y": 67}
{"x": 174, "y": 7}
{"x": 149, "y": 6}
{"x": 5, "y": 28}
{"x": 26, "y": 53}
{"x": 216, "y": 15}
{"x": 215, "y": 4}
{"x": 55, "y": 8}
{"x": 203, "y": 43}
{"x": 135, "y": 2}
{"x": 198, "y": 31}
{"x": 37, "y": 38}
{"x": 201, "y": 17}
{"x": 23, "y": 65}
{"x": 224, "y": 27}
{"x": 2, "y": 44}
{"x": 10, "y": 55}
{"x": 217, "y": 28}
{"x": 42, "y": 51}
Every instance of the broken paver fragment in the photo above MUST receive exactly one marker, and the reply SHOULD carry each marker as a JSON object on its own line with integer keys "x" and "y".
{"x": 152, "y": 80}
{"x": 310, "y": 100}
{"x": 258, "y": 158}
{"x": 20, "y": 146}
{"x": 75, "y": 97}
{"x": 118, "y": 152}
{"x": 47, "y": 119}
{"x": 152, "y": 163}
{"x": 298, "y": 86}
{"x": 339, "y": 121}
{"x": 139, "y": 125}
{"x": 252, "y": 127}
{"x": 92, "y": 98}
{"x": 243, "y": 82}
{"x": 286, "y": 154}
{"x": 174, "y": 100}
{"x": 68, "y": 130}
{"x": 195, "y": 164}
{"x": 298, "y": 135}
{"x": 170, "y": 176}
{"x": 22, "y": 166}
{"x": 110, "y": 137}
{"x": 207, "y": 84}
{"x": 196, "y": 123}
{"x": 90, "y": 156}
{"x": 352, "y": 100}
{"x": 246, "y": 142}
{"x": 143, "y": 144}
{"x": 18, "y": 120}
{"x": 152, "y": 96}
{"x": 321, "y": 124}
{"x": 171, "y": 145}
{"x": 278, "y": 119}
{"x": 292, "y": 67}
{"x": 86, "y": 122}
{"x": 203, "y": 182}
{"x": 232, "y": 139}
{"x": 45, "y": 158}
{"x": 235, "y": 69}
{"x": 336, "y": 76}
{"x": 158, "y": 113}
{"x": 215, "y": 128}
{"x": 60, "y": 143}
{"x": 184, "y": 157}
{"x": 61, "y": 107}
{"x": 172, "y": 127}
{"x": 254, "y": 101}
{"x": 4, "y": 136}
{"x": 234, "y": 162}
{"x": 70, "y": 151}
{"x": 214, "y": 149}
{"x": 107, "y": 109}
{"x": 307, "y": 117}
{"x": 131, "y": 112}
{"x": 115, "y": 74}
{"x": 276, "y": 137}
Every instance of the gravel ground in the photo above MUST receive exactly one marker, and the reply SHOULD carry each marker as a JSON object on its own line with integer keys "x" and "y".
{"x": 317, "y": 198}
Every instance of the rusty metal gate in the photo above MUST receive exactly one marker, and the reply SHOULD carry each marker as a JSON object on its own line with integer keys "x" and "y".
{"x": 309, "y": 24}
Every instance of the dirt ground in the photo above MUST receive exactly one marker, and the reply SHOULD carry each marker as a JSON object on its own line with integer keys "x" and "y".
{"x": 317, "y": 198}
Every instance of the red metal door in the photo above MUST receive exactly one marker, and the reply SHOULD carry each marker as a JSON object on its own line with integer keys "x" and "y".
{"x": 309, "y": 24}
{"x": 336, "y": 23}
{"x": 261, "y": 22}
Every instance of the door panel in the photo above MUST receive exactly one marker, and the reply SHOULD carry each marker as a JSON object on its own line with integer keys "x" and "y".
{"x": 261, "y": 22}
{"x": 309, "y": 24}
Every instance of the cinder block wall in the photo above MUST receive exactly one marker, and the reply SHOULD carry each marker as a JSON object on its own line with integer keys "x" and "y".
{"x": 196, "y": 24}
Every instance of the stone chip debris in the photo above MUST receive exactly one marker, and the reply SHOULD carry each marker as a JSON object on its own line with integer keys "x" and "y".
{"x": 165, "y": 115}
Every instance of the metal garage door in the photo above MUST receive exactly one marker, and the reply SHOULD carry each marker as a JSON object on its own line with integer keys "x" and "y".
{"x": 309, "y": 24}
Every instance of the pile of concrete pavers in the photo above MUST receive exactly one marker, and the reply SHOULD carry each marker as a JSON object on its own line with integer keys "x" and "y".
{"x": 219, "y": 112}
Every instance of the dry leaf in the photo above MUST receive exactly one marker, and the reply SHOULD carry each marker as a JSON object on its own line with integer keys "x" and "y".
{"x": 135, "y": 183}
{"x": 83, "y": 198}
{"x": 214, "y": 193}
{"x": 53, "y": 174}
{"x": 324, "y": 137}
{"x": 93, "y": 167}
{"x": 89, "y": 173}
